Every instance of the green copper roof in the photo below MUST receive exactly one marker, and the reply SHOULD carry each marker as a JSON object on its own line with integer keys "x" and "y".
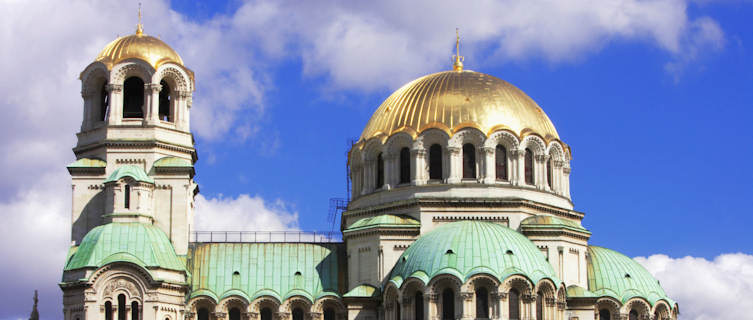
{"x": 135, "y": 172}
{"x": 613, "y": 274}
{"x": 549, "y": 221}
{"x": 172, "y": 162}
{"x": 465, "y": 248}
{"x": 139, "y": 243}
{"x": 279, "y": 270}
{"x": 363, "y": 291}
{"x": 384, "y": 221}
{"x": 88, "y": 163}
{"x": 574, "y": 291}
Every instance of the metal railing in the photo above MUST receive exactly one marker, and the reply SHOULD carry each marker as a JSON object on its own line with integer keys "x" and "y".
{"x": 266, "y": 236}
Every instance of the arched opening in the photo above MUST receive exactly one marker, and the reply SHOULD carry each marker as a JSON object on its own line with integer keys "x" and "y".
{"x": 127, "y": 197}
{"x": 404, "y": 165}
{"x": 514, "y": 304}
{"x": 329, "y": 314}
{"x": 121, "y": 307}
{"x": 482, "y": 303}
{"x": 529, "y": 166}
{"x": 133, "y": 98}
{"x": 539, "y": 305}
{"x": 604, "y": 315}
{"x": 549, "y": 173}
{"x": 165, "y": 102}
{"x": 297, "y": 314}
{"x": 266, "y": 314}
{"x": 134, "y": 310}
{"x": 104, "y": 103}
{"x": 633, "y": 315}
{"x": 500, "y": 162}
{"x": 203, "y": 314}
{"x": 435, "y": 162}
{"x": 418, "y": 306}
{"x": 379, "y": 171}
{"x": 234, "y": 314}
{"x": 236, "y": 279}
{"x": 448, "y": 304}
{"x": 469, "y": 161}
{"x": 108, "y": 310}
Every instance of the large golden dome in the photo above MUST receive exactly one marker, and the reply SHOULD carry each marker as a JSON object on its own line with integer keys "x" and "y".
{"x": 453, "y": 100}
{"x": 140, "y": 46}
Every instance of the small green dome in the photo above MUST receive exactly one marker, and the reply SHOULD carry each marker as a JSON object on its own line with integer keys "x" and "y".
{"x": 615, "y": 275}
{"x": 466, "y": 248}
{"x": 138, "y": 243}
{"x": 550, "y": 221}
{"x": 135, "y": 172}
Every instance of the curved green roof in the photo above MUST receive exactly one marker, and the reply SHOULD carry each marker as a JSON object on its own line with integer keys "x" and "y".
{"x": 88, "y": 163}
{"x": 173, "y": 162}
{"x": 135, "y": 172}
{"x": 574, "y": 291}
{"x": 384, "y": 221}
{"x": 363, "y": 291}
{"x": 466, "y": 248}
{"x": 138, "y": 243}
{"x": 279, "y": 270}
{"x": 615, "y": 275}
{"x": 548, "y": 221}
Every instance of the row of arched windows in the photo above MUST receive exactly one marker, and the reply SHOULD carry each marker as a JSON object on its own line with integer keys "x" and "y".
{"x": 469, "y": 165}
{"x": 133, "y": 100}
{"x": 482, "y": 304}
{"x": 604, "y": 314}
{"x": 122, "y": 309}
{"x": 265, "y": 314}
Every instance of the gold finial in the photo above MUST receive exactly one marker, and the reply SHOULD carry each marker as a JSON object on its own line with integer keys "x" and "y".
{"x": 139, "y": 26}
{"x": 458, "y": 65}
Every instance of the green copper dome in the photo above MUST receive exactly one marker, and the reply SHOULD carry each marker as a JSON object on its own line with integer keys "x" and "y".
{"x": 466, "y": 248}
{"x": 613, "y": 274}
{"x": 135, "y": 172}
{"x": 138, "y": 243}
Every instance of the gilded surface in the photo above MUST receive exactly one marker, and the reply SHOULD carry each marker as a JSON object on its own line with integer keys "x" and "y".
{"x": 140, "y": 46}
{"x": 453, "y": 100}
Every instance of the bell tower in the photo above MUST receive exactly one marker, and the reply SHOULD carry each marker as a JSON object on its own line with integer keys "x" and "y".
{"x": 135, "y": 151}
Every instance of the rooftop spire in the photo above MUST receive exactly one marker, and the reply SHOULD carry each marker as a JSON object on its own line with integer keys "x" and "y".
{"x": 458, "y": 65}
{"x": 139, "y": 26}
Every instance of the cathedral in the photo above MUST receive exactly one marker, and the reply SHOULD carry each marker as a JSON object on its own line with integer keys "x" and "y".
{"x": 460, "y": 209}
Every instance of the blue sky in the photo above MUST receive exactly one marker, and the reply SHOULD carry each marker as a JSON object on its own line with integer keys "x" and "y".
{"x": 654, "y": 98}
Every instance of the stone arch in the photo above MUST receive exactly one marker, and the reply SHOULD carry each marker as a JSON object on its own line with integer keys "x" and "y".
{"x": 556, "y": 151}
{"x": 486, "y": 282}
{"x": 174, "y": 76}
{"x": 398, "y": 141}
{"x": 546, "y": 293}
{"x": 610, "y": 304}
{"x": 131, "y": 68}
{"x": 372, "y": 148}
{"x": 424, "y": 142}
{"x": 265, "y": 302}
{"x": 467, "y": 135}
{"x": 296, "y": 301}
{"x": 661, "y": 310}
{"x": 93, "y": 77}
{"x": 518, "y": 282}
{"x": 638, "y": 304}
{"x": 233, "y": 301}
{"x": 506, "y": 138}
{"x": 114, "y": 279}
{"x": 391, "y": 298}
{"x": 330, "y": 302}
{"x": 198, "y": 302}
{"x": 535, "y": 143}
{"x": 437, "y": 286}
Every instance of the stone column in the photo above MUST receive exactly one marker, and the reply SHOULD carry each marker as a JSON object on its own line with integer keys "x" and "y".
{"x": 88, "y": 96}
{"x": 488, "y": 173}
{"x": 520, "y": 167}
{"x": 432, "y": 304}
{"x": 454, "y": 165}
{"x": 391, "y": 171}
{"x": 418, "y": 169}
{"x": 115, "y": 114}
{"x": 468, "y": 308}
{"x": 151, "y": 103}
{"x": 368, "y": 183}
{"x": 539, "y": 175}
{"x": 499, "y": 300}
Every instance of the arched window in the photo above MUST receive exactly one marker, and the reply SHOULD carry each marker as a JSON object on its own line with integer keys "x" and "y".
{"x": 404, "y": 165}
{"x": 104, "y": 103}
{"x": 418, "y": 306}
{"x": 379, "y": 171}
{"x": 121, "y": 307}
{"x": 203, "y": 314}
{"x": 529, "y": 166}
{"x": 108, "y": 310}
{"x": 549, "y": 173}
{"x": 514, "y": 304}
{"x": 539, "y": 306}
{"x": 234, "y": 314}
{"x": 329, "y": 314}
{"x": 469, "y": 161}
{"x": 133, "y": 98}
{"x": 500, "y": 162}
{"x": 266, "y": 314}
{"x": 435, "y": 162}
{"x": 482, "y": 303}
{"x": 134, "y": 310}
{"x": 127, "y": 197}
{"x": 297, "y": 314}
{"x": 165, "y": 101}
{"x": 633, "y": 315}
{"x": 604, "y": 315}
{"x": 448, "y": 304}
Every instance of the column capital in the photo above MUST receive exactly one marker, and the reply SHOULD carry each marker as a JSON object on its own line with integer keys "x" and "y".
{"x": 488, "y": 150}
{"x": 117, "y": 88}
{"x": 466, "y": 295}
{"x": 152, "y": 87}
{"x": 453, "y": 150}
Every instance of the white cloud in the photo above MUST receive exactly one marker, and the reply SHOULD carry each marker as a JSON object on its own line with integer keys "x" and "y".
{"x": 243, "y": 213}
{"x": 706, "y": 289}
